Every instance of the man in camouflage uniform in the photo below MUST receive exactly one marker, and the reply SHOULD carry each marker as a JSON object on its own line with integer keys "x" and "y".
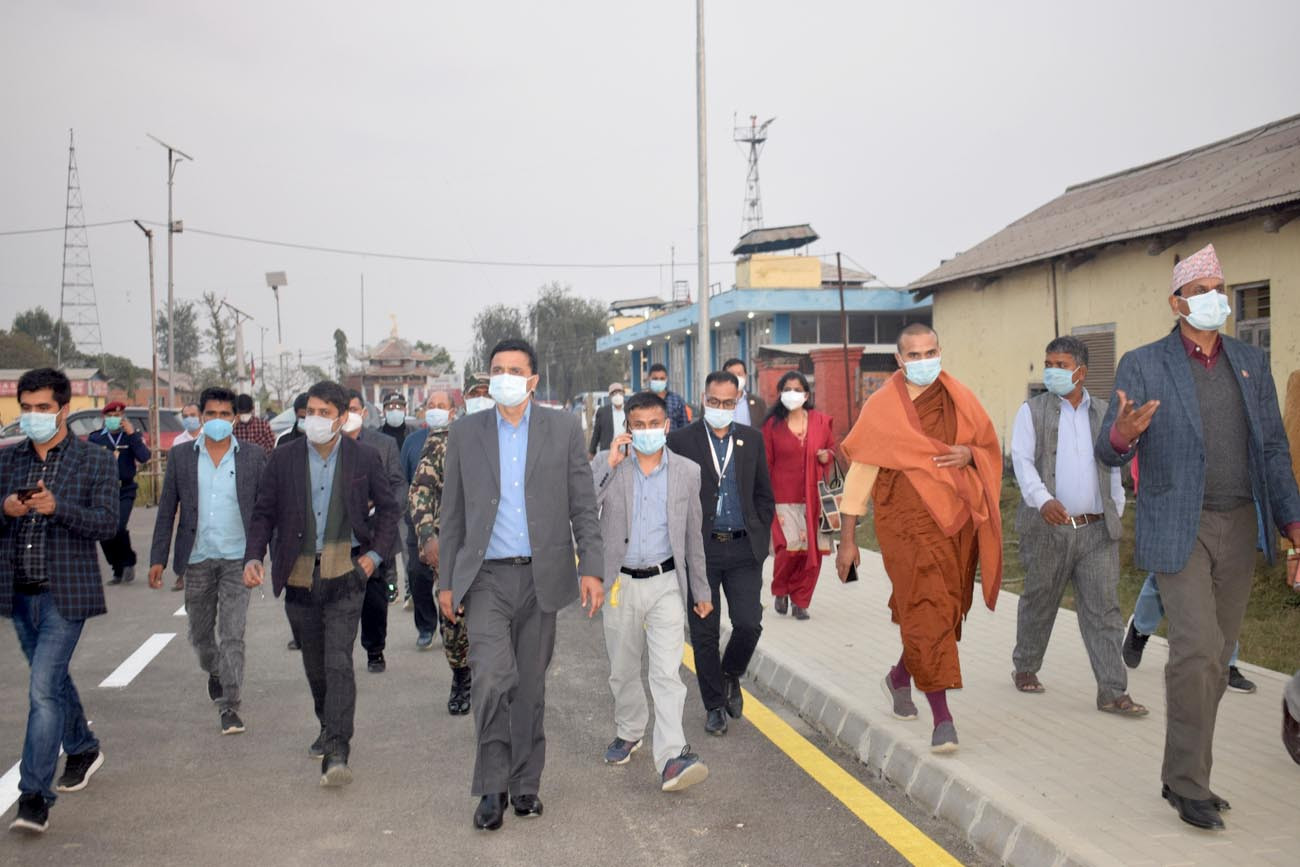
{"x": 425, "y": 499}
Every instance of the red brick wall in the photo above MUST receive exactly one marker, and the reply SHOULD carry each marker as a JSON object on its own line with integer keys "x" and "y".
{"x": 828, "y": 367}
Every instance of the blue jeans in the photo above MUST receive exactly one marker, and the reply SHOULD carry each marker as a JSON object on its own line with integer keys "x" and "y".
{"x": 1148, "y": 611}
{"x": 54, "y": 716}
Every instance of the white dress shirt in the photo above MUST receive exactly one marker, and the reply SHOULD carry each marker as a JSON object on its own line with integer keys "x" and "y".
{"x": 742, "y": 409}
{"x": 1076, "y": 464}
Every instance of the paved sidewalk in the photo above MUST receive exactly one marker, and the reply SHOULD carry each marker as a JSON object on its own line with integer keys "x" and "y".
{"x": 1040, "y": 779}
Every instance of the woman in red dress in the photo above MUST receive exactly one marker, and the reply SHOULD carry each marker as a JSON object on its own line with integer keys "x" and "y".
{"x": 800, "y": 447}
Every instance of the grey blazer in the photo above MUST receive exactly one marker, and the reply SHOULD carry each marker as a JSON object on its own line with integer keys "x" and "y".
{"x": 181, "y": 490}
{"x": 614, "y": 492}
{"x": 389, "y": 458}
{"x": 558, "y": 491}
{"x": 1171, "y": 454}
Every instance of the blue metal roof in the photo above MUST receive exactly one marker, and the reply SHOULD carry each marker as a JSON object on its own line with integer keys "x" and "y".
{"x": 743, "y": 301}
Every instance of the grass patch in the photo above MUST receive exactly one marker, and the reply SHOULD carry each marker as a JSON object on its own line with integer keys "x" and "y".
{"x": 1272, "y": 617}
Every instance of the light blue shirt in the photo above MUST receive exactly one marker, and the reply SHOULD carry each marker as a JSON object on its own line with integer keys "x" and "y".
{"x": 729, "y": 515}
{"x": 742, "y": 409}
{"x": 320, "y": 471}
{"x": 510, "y": 530}
{"x": 648, "y": 542}
{"x": 221, "y": 526}
{"x": 1076, "y": 464}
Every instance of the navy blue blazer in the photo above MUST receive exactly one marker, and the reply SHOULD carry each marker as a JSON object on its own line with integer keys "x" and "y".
{"x": 1171, "y": 453}
{"x": 86, "y": 492}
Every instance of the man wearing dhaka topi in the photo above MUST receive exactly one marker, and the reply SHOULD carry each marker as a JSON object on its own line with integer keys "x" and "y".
{"x": 924, "y": 451}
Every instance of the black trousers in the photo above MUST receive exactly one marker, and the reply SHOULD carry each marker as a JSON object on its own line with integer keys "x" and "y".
{"x": 733, "y": 569}
{"x": 374, "y": 611}
{"x": 117, "y": 550}
{"x": 419, "y": 583}
{"x": 327, "y": 630}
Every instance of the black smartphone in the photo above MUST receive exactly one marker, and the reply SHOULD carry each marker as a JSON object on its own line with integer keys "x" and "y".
{"x": 625, "y": 449}
{"x": 853, "y": 573}
{"x": 25, "y": 494}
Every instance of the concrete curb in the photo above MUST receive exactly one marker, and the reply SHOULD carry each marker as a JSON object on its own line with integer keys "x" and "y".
{"x": 991, "y": 820}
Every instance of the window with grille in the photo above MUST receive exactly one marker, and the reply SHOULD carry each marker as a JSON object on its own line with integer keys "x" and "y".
{"x": 1252, "y": 311}
{"x": 1100, "y": 340}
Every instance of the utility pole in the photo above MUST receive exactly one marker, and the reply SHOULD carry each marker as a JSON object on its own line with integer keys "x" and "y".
{"x": 276, "y": 279}
{"x": 156, "y": 457}
{"x": 241, "y": 372}
{"x": 844, "y": 335}
{"x": 704, "y": 333}
{"x": 174, "y": 157}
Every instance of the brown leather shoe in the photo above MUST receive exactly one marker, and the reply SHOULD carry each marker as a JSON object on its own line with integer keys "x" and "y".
{"x": 1123, "y": 706}
{"x": 1027, "y": 681}
{"x": 180, "y": 583}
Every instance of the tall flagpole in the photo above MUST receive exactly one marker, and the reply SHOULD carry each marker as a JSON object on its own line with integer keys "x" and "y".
{"x": 703, "y": 331}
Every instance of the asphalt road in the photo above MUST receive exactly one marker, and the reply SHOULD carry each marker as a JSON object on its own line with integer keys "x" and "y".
{"x": 173, "y": 788}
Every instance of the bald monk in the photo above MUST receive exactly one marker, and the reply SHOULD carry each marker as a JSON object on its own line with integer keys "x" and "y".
{"x": 924, "y": 451}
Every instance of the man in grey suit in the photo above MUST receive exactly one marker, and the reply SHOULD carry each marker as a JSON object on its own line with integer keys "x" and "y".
{"x": 381, "y": 589}
{"x": 222, "y": 474}
{"x": 650, "y": 520}
{"x": 1199, "y": 410}
{"x": 518, "y": 491}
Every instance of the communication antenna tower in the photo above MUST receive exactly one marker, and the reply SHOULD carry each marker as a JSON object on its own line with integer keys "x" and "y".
{"x": 77, "y": 308}
{"x": 754, "y": 135}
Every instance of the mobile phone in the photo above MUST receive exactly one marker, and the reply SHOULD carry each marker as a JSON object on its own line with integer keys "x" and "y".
{"x": 853, "y": 573}
{"x": 26, "y": 493}
{"x": 624, "y": 449}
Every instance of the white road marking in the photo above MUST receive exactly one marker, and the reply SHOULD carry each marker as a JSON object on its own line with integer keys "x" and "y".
{"x": 136, "y": 662}
{"x": 180, "y": 612}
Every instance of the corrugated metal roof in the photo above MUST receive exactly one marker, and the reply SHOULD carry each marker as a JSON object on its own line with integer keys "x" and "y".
{"x": 830, "y": 276}
{"x": 774, "y": 239}
{"x": 1249, "y": 172}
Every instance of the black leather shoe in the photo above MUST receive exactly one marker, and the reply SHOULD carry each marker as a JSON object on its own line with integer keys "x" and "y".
{"x": 1199, "y": 814}
{"x": 458, "y": 700}
{"x": 734, "y": 698}
{"x": 527, "y": 806}
{"x": 1220, "y": 803}
{"x": 293, "y": 645}
{"x": 781, "y": 604}
{"x": 491, "y": 810}
{"x": 375, "y": 663}
{"x": 1134, "y": 643}
{"x": 716, "y": 723}
{"x": 800, "y": 613}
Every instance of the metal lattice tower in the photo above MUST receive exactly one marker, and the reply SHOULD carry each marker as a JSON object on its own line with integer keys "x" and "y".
{"x": 754, "y": 135}
{"x": 77, "y": 307}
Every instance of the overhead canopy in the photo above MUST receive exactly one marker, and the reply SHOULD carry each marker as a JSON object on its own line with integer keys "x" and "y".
{"x": 774, "y": 239}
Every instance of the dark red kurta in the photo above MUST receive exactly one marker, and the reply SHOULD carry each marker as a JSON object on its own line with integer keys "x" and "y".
{"x": 795, "y": 471}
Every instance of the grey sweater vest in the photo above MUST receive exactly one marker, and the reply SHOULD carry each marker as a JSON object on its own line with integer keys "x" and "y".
{"x": 1227, "y": 436}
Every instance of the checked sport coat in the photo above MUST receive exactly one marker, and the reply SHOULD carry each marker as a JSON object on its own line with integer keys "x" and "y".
{"x": 86, "y": 493}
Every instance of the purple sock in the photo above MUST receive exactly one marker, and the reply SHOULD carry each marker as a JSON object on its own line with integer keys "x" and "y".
{"x": 898, "y": 675}
{"x": 939, "y": 706}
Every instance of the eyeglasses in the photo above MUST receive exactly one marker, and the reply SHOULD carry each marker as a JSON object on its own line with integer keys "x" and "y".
{"x": 714, "y": 403}
{"x": 1193, "y": 291}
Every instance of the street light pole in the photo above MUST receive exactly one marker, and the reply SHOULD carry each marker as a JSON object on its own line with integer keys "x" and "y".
{"x": 276, "y": 279}
{"x": 174, "y": 156}
{"x": 703, "y": 332}
{"x": 153, "y": 346}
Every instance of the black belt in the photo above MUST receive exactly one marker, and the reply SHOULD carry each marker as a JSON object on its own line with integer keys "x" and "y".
{"x": 32, "y": 589}
{"x": 650, "y": 571}
{"x": 1077, "y": 521}
{"x": 727, "y": 535}
{"x": 510, "y": 561}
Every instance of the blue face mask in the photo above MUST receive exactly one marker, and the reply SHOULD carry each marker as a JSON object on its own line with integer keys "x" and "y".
{"x": 395, "y": 417}
{"x": 112, "y": 423}
{"x": 217, "y": 429}
{"x": 508, "y": 389}
{"x": 658, "y": 386}
{"x": 1058, "y": 381}
{"x": 922, "y": 372}
{"x": 718, "y": 418}
{"x": 39, "y": 427}
{"x": 648, "y": 442}
{"x": 191, "y": 423}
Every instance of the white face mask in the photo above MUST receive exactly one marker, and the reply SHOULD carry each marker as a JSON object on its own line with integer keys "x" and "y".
{"x": 617, "y": 400}
{"x": 793, "y": 399}
{"x": 245, "y": 417}
{"x": 395, "y": 417}
{"x": 318, "y": 429}
{"x": 508, "y": 389}
{"x": 351, "y": 422}
{"x": 437, "y": 417}
{"x": 1207, "y": 311}
{"x": 478, "y": 404}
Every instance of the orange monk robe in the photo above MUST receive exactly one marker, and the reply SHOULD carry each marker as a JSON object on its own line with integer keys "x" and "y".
{"x": 934, "y": 524}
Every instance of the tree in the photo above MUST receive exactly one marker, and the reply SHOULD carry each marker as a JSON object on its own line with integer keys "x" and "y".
{"x": 220, "y": 335}
{"x": 492, "y": 325}
{"x": 440, "y": 360}
{"x": 340, "y": 354}
{"x": 188, "y": 344}
{"x": 121, "y": 371}
{"x": 37, "y": 324}
{"x": 21, "y": 351}
{"x": 564, "y": 330}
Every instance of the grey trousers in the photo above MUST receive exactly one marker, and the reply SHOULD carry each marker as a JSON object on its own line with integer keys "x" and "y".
{"x": 1205, "y": 604}
{"x": 1089, "y": 559}
{"x": 327, "y": 630}
{"x": 510, "y": 645}
{"x": 216, "y": 605}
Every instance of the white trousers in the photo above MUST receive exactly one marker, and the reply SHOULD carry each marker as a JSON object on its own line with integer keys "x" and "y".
{"x": 650, "y": 613}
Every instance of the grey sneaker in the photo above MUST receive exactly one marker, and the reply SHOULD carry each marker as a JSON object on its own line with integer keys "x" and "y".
{"x": 944, "y": 739}
{"x": 1238, "y": 682}
{"x": 900, "y": 699}
{"x": 317, "y": 748}
{"x": 620, "y": 751}
{"x": 683, "y": 771}
{"x": 231, "y": 724}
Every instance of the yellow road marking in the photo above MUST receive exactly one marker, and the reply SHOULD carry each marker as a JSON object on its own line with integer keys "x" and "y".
{"x": 877, "y": 815}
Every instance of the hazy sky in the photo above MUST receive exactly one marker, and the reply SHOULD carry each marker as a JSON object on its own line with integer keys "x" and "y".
{"x": 565, "y": 132}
